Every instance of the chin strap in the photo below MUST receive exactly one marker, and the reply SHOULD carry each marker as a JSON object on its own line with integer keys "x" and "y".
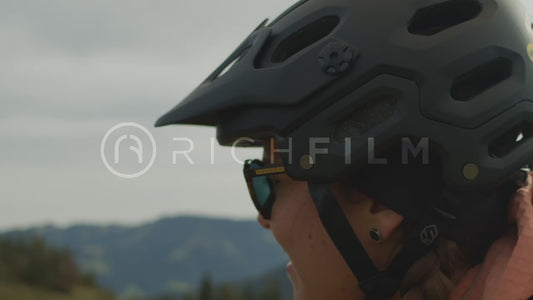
{"x": 341, "y": 232}
{"x": 375, "y": 284}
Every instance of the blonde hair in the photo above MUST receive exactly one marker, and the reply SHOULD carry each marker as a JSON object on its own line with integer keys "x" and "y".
{"x": 436, "y": 274}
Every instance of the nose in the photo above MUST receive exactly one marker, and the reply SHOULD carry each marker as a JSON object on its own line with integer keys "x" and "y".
{"x": 263, "y": 222}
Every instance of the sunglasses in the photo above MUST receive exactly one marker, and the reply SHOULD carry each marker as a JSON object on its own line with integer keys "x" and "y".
{"x": 260, "y": 185}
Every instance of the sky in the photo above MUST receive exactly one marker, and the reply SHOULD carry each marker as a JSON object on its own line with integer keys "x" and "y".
{"x": 72, "y": 70}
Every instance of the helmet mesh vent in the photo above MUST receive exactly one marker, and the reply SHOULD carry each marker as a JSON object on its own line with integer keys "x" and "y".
{"x": 511, "y": 139}
{"x": 476, "y": 81}
{"x": 436, "y": 18}
{"x": 378, "y": 109}
{"x": 304, "y": 37}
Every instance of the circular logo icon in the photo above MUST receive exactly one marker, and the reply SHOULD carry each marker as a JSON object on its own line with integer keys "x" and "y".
{"x": 128, "y": 150}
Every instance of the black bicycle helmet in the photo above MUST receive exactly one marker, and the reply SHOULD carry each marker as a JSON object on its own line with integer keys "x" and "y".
{"x": 353, "y": 76}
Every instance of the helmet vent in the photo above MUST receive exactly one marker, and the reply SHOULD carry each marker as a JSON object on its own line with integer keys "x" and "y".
{"x": 232, "y": 63}
{"x": 511, "y": 139}
{"x": 378, "y": 109}
{"x": 476, "y": 81}
{"x": 304, "y": 37}
{"x": 436, "y": 18}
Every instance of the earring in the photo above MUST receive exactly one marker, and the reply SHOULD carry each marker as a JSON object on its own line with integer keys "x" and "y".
{"x": 375, "y": 235}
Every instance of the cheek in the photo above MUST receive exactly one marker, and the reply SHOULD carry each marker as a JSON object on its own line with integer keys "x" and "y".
{"x": 292, "y": 213}
{"x": 295, "y": 222}
{"x": 320, "y": 269}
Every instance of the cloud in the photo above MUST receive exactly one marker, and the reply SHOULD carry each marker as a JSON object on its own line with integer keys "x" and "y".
{"x": 100, "y": 59}
{"x": 71, "y": 70}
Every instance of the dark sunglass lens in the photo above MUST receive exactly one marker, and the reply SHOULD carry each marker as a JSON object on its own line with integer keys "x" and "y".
{"x": 262, "y": 190}
{"x": 255, "y": 164}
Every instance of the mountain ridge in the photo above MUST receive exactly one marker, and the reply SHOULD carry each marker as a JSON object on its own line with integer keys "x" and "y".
{"x": 166, "y": 255}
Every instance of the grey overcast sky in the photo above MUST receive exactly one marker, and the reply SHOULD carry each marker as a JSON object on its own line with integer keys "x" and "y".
{"x": 71, "y": 70}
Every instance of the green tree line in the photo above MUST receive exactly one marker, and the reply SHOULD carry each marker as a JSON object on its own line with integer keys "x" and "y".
{"x": 35, "y": 263}
{"x": 32, "y": 262}
{"x": 226, "y": 291}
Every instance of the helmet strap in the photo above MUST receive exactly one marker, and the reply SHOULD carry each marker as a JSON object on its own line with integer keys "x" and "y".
{"x": 374, "y": 283}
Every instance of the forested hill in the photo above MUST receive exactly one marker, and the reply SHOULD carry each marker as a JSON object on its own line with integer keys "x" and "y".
{"x": 170, "y": 255}
{"x": 31, "y": 269}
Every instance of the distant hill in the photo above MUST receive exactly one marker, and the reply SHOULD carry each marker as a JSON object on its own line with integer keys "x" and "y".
{"x": 167, "y": 256}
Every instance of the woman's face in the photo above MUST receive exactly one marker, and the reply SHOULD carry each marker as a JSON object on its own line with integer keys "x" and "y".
{"x": 317, "y": 270}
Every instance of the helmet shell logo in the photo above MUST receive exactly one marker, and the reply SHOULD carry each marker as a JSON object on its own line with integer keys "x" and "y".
{"x": 429, "y": 234}
{"x": 337, "y": 57}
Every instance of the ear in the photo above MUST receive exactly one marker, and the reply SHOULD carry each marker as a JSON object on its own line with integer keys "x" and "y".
{"x": 365, "y": 213}
{"x": 384, "y": 219}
